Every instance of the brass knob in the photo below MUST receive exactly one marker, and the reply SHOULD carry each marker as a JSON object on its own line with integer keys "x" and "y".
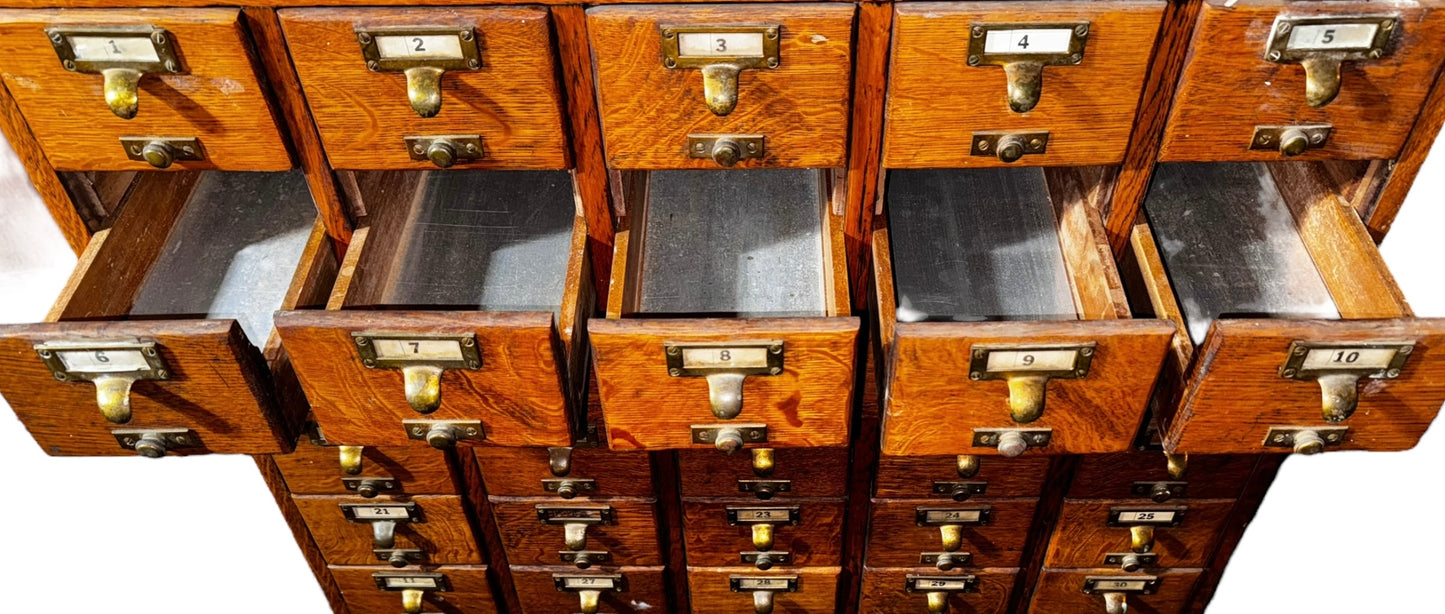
{"x": 1293, "y": 142}
{"x": 967, "y": 465}
{"x": 1130, "y": 563}
{"x": 367, "y": 489}
{"x": 574, "y": 534}
{"x": 441, "y": 153}
{"x": 763, "y": 536}
{"x": 397, "y": 559}
{"x": 559, "y": 461}
{"x": 582, "y": 561}
{"x": 1012, "y": 444}
{"x": 727, "y": 152}
{"x": 937, "y": 602}
{"x": 1178, "y": 464}
{"x": 952, "y": 537}
{"x": 112, "y": 395}
{"x": 1116, "y": 603}
{"x": 158, "y": 154}
{"x": 411, "y": 600}
{"x": 151, "y": 446}
{"x": 762, "y": 462}
{"x": 946, "y": 562}
{"x": 588, "y": 601}
{"x": 351, "y": 459}
{"x": 1141, "y": 538}
{"x": 383, "y": 534}
{"x": 122, "y": 91}
{"x": 567, "y": 489}
{"x": 763, "y": 602}
{"x": 764, "y": 490}
{"x": 442, "y": 436}
{"x": 423, "y": 383}
{"x": 764, "y": 561}
{"x": 729, "y": 440}
{"x": 1308, "y": 442}
{"x": 961, "y": 492}
{"x": 1160, "y": 492}
{"x": 1010, "y": 148}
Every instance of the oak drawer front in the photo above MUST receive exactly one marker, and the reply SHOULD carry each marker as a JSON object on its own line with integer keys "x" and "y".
{"x": 991, "y": 532}
{"x": 765, "y": 473}
{"x": 216, "y": 393}
{"x": 1061, "y": 591}
{"x": 947, "y": 477}
{"x": 589, "y": 472}
{"x": 1144, "y": 475}
{"x": 934, "y": 394}
{"x": 461, "y": 589}
{"x": 905, "y": 590}
{"x": 807, "y": 404}
{"x": 813, "y": 589}
{"x": 516, "y": 390}
{"x": 622, "y": 590}
{"x": 441, "y": 531}
{"x": 1229, "y": 87}
{"x": 1087, "y": 107}
{"x": 511, "y": 100}
{"x": 626, "y": 529}
{"x": 800, "y": 107}
{"x": 411, "y": 470}
{"x": 721, "y": 531}
{"x": 215, "y": 97}
{"x": 1236, "y": 393}
{"x": 1184, "y": 533}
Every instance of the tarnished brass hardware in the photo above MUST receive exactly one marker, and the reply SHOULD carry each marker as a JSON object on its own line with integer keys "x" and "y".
{"x": 1160, "y": 491}
{"x": 1321, "y": 44}
{"x": 1338, "y": 367}
{"x": 937, "y": 588}
{"x": 763, "y": 536}
{"x": 154, "y": 443}
{"x": 959, "y": 491}
{"x": 1131, "y": 561}
{"x": 722, "y": 52}
{"x": 1116, "y": 603}
{"x": 1141, "y": 538}
{"x": 1024, "y": 49}
{"x": 569, "y": 488}
{"x": 587, "y": 601}
{"x": 946, "y": 561}
{"x": 951, "y": 521}
{"x": 585, "y": 559}
{"x": 952, "y": 536}
{"x": 1012, "y": 442}
{"x": 350, "y": 459}
{"x": 726, "y": 149}
{"x": 559, "y": 461}
{"x": 369, "y": 487}
{"x": 111, "y": 366}
{"x": 399, "y": 557}
{"x": 1009, "y": 146}
{"x": 443, "y": 434}
{"x": 162, "y": 152}
{"x": 121, "y": 55}
{"x": 411, "y": 600}
{"x": 383, "y": 534}
{"x": 763, "y": 588}
{"x": 968, "y": 466}
{"x": 1115, "y": 590}
{"x": 1152, "y": 516}
{"x": 1290, "y": 141}
{"x": 1178, "y": 464}
{"x": 383, "y": 518}
{"x": 763, "y": 521}
{"x": 575, "y": 520}
{"x": 413, "y": 586}
{"x": 1305, "y": 440}
{"x": 1028, "y": 370}
{"x": 729, "y": 438}
{"x": 765, "y": 560}
{"x": 765, "y": 489}
{"x": 725, "y": 366}
{"x": 589, "y": 588}
{"x": 762, "y": 462}
{"x": 445, "y": 150}
{"x": 421, "y": 358}
{"x": 423, "y": 54}
{"x": 937, "y": 602}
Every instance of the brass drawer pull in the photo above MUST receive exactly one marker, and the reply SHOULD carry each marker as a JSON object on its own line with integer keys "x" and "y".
{"x": 121, "y": 55}
{"x": 424, "y": 55}
{"x": 1024, "y": 50}
{"x": 1320, "y": 44}
{"x": 722, "y": 52}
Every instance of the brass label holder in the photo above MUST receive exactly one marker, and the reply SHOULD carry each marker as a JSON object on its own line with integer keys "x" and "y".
{"x": 725, "y": 365}
{"x": 1151, "y": 516}
{"x": 1338, "y": 367}
{"x": 378, "y": 512}
{"x": 162, "y": 151}
{"x": 154, "y": 443}
{"x": 589, "y": 587}
{"x": 1290, "y": 141}
{"x": 1023, "y": 50}
{"x": 763, "y": 588}
{"x": 1321, "y": 43}
{"x": 1027, "y": 369}
{"x": 121, "y": 55}
{"x": 445, "y": 150}
{"x": 941, "y": 516}
{"x": 421, "y": 358}
{"x": 941, "y": 584}
{"x": 575, "y": 520}
{"x": 400, "y": 581}
{"x": 721, "y": 52}
{"x": 1140, "y": 585}
{"x": 746, "y": 515}
{"x": 423, "y": 54}
{"x": 726, "y": 149}
{"x": 112, "y": 366}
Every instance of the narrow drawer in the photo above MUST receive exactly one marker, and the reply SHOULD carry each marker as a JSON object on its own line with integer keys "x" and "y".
{"x": 1072, "y": 69}
{"x": 1333, "y": 357}
{"x": 584, "y": 472}
{"x": 909, "y": 590}
{"x": 600, "y": 531}
{"x": 1230, "y": 86}
{"x": 1147, "y": 475}
{"x": 1176, "y": 534}
{"x": 730, "y": 309}
{"x": 764, "y": 535}
{"x": 456, "y": 317}
{"x": 792, "y": 89}
{"x": 618, "y": 590}
{"x": 210, "y": 90}
{"x": 735, "y": 589}
{"x": 452, "y": 589}
{"x": 1071, "y": 591}
{"x": 1005, "y": 324}
{"x": 765, "y": 473}
{"x": 510, "y": 98}
{"x": 427, "y": 529}
{"x": 959, "y": 477}
{"x": 323, "y": 470}
{"x": 982, "y": 533}
{"x": 155, "y": 344}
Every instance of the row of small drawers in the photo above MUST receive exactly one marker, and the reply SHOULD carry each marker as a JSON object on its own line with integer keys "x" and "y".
{"x": 799, "y": 103}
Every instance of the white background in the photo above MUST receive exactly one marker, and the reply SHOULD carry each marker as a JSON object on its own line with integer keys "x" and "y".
{"x": 1339, "y": 533}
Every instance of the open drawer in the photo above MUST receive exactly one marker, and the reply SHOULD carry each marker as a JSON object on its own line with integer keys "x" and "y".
{"x": 1298, "y": 337}
{"x": 154, "y": 344}
{"x": 728, "y": 316}
{"x": 458, "y": 316}
{"x": 1003, "y": 319}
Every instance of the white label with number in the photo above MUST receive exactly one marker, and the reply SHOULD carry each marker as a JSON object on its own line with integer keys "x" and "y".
{"x": 420, "y": 47}
{"x": 1032, "y": 360}
{"x": 764, "y": 515}
{"x": 586, "y": 583}
{"x": 1121, "y": 585}
{"x": 411, "y": 582}
{"x": 952, "y": 516}
{"x": 113, "y": 49}
{"x": 103, "y": 361}
{"x": 725, "y": 358}
{"x": 1325, "y": 359}
{"x": 720, "y": 44}
{"x": 1332, "y": 36}
{"x": 1151, "y": 517}
{"x": 940, "y": 584}
{"x": 1028, "y": 41}
{"x": 418, "y": 349}
{"x": 379, "y": 512}
{"x": 763, "y": 584}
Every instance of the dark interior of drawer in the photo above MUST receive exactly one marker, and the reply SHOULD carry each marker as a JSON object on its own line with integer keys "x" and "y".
{"x": 976, "y": 245}
{"x": 732, "y": 243}
{"x": 1230, "y": 245}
